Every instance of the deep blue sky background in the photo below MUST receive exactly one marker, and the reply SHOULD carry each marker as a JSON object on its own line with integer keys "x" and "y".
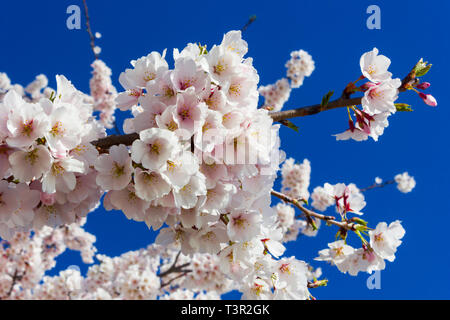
{"x": 35, "y": 40}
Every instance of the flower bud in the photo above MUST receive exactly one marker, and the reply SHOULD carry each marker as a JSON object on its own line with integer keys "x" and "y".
{"x": 428, "y": 99}
{"x": 423, "y": 85}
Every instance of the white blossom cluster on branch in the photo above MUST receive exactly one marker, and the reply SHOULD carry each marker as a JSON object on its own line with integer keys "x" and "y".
{"x": 378, "y": 103}
{"x": 197, "y": 163}
{"x": 275, "y": 95}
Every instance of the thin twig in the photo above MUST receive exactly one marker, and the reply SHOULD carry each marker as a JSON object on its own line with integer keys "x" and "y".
{"x": 249, "y": 22}
{"x": 104, "y": 144}
{"x": 175, "y": 269}
{"x": 378, "y": 185}
{"x": 88, "y": 28}
{"x": 15, "y": 277}
{"x": 307, "y": 212}
{"x": 314, "y": 109}
{"x": 338, "y": 103}
{"x": 162, "y": 274}
{"x": 173, "y": 279}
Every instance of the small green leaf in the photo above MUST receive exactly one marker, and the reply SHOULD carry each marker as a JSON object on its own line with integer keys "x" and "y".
{"x": 289, "y": 124}
{"x": 326, "y": 98}
{"x": 359, "y": 221}
{"x": 360, "y": 227}
{"x": 422, "y": 68}
{"x": 403, "y": 107}
{"x": 313, "y": 225}
{"x": 321, "y": 283}
{"x": 342, "y": 234}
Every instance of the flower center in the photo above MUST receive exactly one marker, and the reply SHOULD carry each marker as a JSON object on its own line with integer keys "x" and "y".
{"x": 57, "y": 169}
{"x": 118, "y": 170}
{"x": 154, "y": 148}
{"x": 32, "y": 156}
{"x": 57, "y": 129}
{"x": 378, "y": 237}
{"x": 27, "y": 128}
{"x": 285, "y": 268}
{"x": 149, "y": 76}
{"x": 219, "y": 68}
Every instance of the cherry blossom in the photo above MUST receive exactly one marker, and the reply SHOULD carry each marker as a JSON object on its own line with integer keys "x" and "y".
{"x": 375, "y": 67}
{"x": 114, "y": 169}
{"x": 385, "y": 239}
{"x": 405, "y": 183}
{"x": 198, "y": 164}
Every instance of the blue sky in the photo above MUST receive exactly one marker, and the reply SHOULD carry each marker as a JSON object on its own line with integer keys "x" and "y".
{"x": 35, "y": 40}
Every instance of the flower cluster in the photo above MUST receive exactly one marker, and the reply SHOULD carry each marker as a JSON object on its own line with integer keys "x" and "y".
{"x": 300, "y": 65}
{"x": 26, "y": 258}
{"x": 383, "y": 244}
{"x": 200, "y": 168}
{"x": 346, "y": 198}
{"x": 46, "y": 159}
{"x": 405, "y": 183}
{"x": 205, "y": 275}
{"x": 275, "y": 95}
{"x": 33, "y": 92}
{"x": 206, "y": 157}
{"x": 139, "y": 275}
{"x": 380, "y": 93}
{"x": 103, "y": 92}
{"x": 295, "y": 179}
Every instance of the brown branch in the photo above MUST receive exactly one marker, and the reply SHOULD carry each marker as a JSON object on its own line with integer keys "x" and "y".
{"x": 338, "y": 103}
{"x": 310, "y": 110}
{"x": 127, "y": 139}
{"x": 14, "y": 278}
{"x": 377, "y": 185}
{"x": 104, "y": 144}
{"x": 329, "y": 219}
{"x": 174, "y": 269}
{"x": 249, "y": 22}
{"x": 164, "y": 284}
{"x": 88, "y": 28}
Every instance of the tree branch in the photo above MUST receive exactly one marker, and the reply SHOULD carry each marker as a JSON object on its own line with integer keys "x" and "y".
{"x": 310, "y": 110}
{"x": 88, "y": 28}
{"x": 175, "y": 269}
{"x": 14, "y": 278}
{"x": 103, "y": 144}
{"x": 249, "y": 22}
{"x": 307, "y": 212}
{"x": 338, "y": 103}
{"x": 378, "y": 185}
{"x": 164, "y": 284}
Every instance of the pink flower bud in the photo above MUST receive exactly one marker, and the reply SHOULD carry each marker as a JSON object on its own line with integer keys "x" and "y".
{"x": 423, "y": 85}
{"x": 428, "y": 99}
